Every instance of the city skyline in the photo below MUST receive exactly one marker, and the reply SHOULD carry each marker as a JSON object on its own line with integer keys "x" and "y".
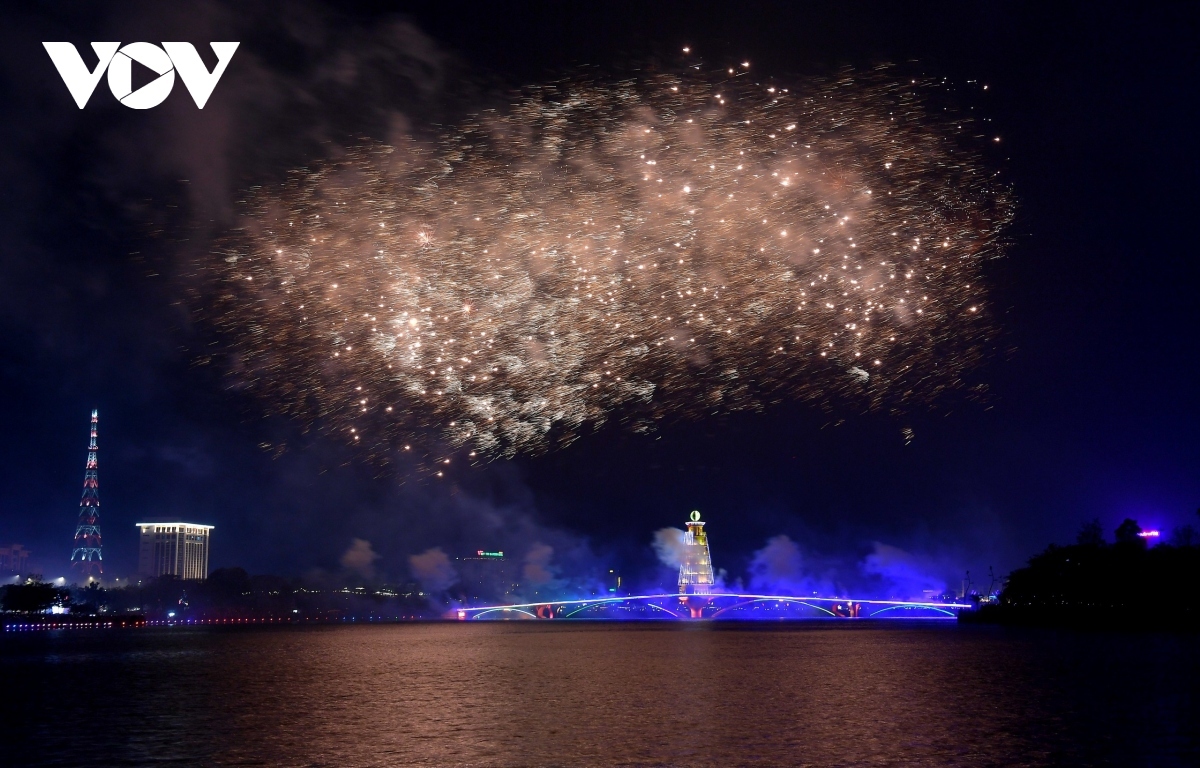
{"x": 1068, "y": 430}
{"x": 611, "y": 384}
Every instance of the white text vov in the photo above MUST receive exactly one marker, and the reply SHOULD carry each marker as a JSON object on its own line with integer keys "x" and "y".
{"x": 118, "y": 60}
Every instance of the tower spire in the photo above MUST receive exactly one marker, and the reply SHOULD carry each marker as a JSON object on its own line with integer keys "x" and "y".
{"x": 85, "y": 558}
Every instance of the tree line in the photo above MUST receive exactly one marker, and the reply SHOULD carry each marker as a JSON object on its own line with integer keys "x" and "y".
{"x": 226, "y": 593}
{"x": 1098, "y": 582}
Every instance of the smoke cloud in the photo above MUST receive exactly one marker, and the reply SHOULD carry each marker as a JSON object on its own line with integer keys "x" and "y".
{"x": 903, "y": 574}
{"x": 777, "y": 567}
{"x": 360, "y": 558}
{"x": 537, "y": 565}
{"x": 668, "y": 545}
{"x": 433, "y": 569}
{"x": 781, "y": 567}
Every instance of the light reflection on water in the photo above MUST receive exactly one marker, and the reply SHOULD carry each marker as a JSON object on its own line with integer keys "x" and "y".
{"x": 556, "y": 693}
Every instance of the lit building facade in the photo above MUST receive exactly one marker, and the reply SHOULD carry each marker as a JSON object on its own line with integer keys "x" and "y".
{"x": 176, "y": 549}
{"x": 485, "y": 577}
{"x": 695, "y": 572}
{"x": 14, "y": 559}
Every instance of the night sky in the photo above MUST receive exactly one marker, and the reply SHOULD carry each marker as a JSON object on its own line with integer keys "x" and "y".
{"x": 1093, "y": 409}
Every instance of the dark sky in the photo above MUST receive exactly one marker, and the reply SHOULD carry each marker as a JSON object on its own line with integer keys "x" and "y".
{"x": 1093, "y": 413}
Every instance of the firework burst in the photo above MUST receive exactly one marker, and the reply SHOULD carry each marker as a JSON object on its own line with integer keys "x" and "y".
{"x": 666, "y": 247}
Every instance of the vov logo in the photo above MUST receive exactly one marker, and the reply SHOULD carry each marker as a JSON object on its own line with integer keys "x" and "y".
{"x": 118, "y": 60}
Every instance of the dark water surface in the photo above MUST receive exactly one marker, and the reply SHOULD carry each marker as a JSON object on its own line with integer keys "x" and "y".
{"x": 547, "y": 693}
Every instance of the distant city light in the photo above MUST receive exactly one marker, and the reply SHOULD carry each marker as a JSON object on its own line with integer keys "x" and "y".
{"x": 1148, "y": 534}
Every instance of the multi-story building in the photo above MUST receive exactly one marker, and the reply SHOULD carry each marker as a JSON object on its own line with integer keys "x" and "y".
{"x": 486, "y": 577}
{"x": 176, "y": 549}
{"x": 14, "y": 559}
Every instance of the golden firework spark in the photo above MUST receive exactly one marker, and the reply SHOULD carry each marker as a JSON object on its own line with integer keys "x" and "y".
{"x": 675, "y": 246}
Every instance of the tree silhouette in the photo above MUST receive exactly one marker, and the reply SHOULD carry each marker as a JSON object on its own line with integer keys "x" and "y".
{"x": 1184, "y": 536}
{"x": 1127, "y": 532}
{"x": 1090, "y": 534}
{"x": 1128, "y": 584}
{"x": 30, "y": 598}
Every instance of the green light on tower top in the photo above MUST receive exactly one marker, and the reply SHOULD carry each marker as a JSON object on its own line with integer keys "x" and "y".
{"x": 695, "y": 516}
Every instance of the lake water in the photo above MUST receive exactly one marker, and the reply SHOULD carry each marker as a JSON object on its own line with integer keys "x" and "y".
{"x": 596, "y": 694}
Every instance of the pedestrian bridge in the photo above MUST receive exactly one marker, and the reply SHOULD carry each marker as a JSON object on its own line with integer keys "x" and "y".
{"x": 719, "y": 605}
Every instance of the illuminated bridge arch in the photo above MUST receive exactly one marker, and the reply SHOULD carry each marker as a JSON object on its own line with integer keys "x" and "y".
{"x": 608, "y": 603}
{"x": 723, "y": 605}
{"x": 791, "y": 600}
{"x": 932, "y": 608}
{"x": 504, "y": 608}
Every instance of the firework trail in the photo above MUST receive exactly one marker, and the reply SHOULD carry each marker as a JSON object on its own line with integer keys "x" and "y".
{"x": 666, "y": 247}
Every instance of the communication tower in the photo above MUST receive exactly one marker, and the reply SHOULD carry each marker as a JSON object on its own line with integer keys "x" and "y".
{"x": 695, "y": 572}
{"x": 85, "y": 558}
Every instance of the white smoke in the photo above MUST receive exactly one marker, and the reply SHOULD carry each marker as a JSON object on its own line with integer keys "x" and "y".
{"x": 537, "y": 571}
{"x": 782, "y": 567}
{"x": 433, "y": 569}
{"x": 778, "y": 567}
{"x": 905, "y": 575}
{"x": 668, "y": 545}
{"x": 360, "y": 558}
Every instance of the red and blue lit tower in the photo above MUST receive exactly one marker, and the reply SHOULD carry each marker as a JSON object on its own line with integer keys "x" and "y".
{"x": 85, "y": 558}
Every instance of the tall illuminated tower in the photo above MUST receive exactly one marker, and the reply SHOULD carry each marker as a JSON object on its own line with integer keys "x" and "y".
{"x": 85, "y": 558}
{"x": 695, "y": 572}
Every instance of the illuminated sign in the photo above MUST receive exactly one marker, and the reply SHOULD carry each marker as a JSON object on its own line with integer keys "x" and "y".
{"x": 1148, "y": 534}
{"x": 481, "y": 553}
